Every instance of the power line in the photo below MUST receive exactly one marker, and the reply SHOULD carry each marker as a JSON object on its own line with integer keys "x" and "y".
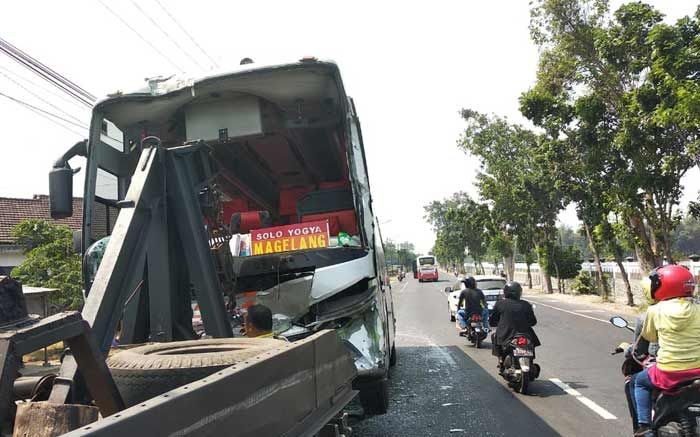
{"x": 41, "y": 98}
{"x": 43, "y": 111}
{"x": 47, "y": 115}
{"x": 167, "y": 35}
{"x": 41, "y": 87}
{"x": 140, "y": 36}
{"x": 48, "y": 70}
{"x": 187, "y": 33}
{"x": 46, "y": 77}
{"x": 44, "y": 115}
{"x": 47, "y": 74}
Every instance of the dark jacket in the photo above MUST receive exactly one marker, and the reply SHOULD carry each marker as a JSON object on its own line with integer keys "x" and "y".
{"x": 513, "y": 316}
{"x": 474, "y": 301}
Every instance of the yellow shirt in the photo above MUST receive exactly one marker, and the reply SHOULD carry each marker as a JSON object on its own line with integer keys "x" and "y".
{"x": 675, "y": 325}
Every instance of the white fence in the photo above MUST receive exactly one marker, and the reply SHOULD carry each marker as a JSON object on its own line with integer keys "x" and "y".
{"x": 617, "y": 285}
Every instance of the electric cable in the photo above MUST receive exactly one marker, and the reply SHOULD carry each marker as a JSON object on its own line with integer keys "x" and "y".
{"x": 52, "y": 120}
{"x": 65, "y": 113}
{"x": 48, "y": 70}
{"x": 36, "y": 108}
{"x": 43, "y": 88}
{"x": 167, "y": 35}
{"x": 187, "y": 33}
{"x": 36, "y": 68}
{"x": 136, "y": 32}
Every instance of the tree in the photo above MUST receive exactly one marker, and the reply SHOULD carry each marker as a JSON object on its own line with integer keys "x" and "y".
{"x": 562, "y": 263}
{"x": 687, "y": 237}
{"x": 50, "y": 262}
{"x": 615, "y": 239}
{"x": 460, "y": 223}
{"x": 622, "y": 96}
{"x": 516, "y": 179}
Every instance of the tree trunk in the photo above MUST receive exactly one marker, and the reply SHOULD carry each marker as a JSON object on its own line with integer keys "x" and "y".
{"x": 546, "y": 279}
{"x": 556, "y": 269}
{"x": 598, "y": 265}
{"x": 648, "y": 261}
{"x": 529, "y": 277}
{"x": 625, "y": 279}
{"x": 509, "y": 265}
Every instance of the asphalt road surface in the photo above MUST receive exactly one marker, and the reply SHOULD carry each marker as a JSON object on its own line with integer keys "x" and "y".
{"x": 443, "y": 386}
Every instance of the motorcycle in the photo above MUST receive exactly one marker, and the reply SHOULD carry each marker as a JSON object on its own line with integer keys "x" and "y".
{"x": 518, "y": 366}
{"x": 676, "y": 413}
{"x": 476, "y": 331}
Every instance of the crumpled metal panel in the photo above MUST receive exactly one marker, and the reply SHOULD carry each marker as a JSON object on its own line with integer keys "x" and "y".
{"x": 364, "y": 335}
{"x": 332, "y": 279}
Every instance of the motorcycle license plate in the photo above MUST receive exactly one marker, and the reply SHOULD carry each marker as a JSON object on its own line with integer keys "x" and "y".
{"x": 474, "y": 325}
{"x": 521, "y": 352}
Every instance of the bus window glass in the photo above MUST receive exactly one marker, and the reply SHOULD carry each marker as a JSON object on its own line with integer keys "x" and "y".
{"x": 428, "y": 260}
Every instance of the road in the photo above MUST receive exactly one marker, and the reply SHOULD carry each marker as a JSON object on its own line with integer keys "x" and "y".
{"x": 442, "y": 386}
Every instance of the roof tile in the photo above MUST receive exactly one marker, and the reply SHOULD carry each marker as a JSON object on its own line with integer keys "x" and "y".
{"x": 13, "y": 211}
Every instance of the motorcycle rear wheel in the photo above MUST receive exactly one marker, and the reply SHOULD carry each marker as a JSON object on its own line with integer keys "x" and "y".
{"x": 524, "y": 382}
{"x": 478, "y": 342}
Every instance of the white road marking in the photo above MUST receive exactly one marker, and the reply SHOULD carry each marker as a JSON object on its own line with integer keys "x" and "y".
{"x": 602, "y": 412}
{"x": 567, "y": 389}
{"x": 571, "y": 312}
{"x": 404, "y": 287}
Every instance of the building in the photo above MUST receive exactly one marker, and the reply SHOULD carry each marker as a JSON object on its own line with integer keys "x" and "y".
{"x": 13, "y": 211}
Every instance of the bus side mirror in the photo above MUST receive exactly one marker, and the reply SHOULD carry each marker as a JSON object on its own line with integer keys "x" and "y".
{"x": 61, "y": 182}
{"x": 61, "y": 192}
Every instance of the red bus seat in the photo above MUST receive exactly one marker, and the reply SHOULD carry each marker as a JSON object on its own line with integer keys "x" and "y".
{"x": 289, "y": 198}
{"x": 243, "y": 222}
{"x": 236, "y": 204}
{"x": 337, "y": 221}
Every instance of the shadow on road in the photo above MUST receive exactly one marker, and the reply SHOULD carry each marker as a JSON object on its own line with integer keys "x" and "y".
{"x": 441, "y": 391}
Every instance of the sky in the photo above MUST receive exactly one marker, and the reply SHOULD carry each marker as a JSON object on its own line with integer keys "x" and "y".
{"x": 410, "y": 67}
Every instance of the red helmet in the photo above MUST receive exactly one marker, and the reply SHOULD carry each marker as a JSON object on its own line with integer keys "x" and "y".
{"x": 671, "y": 281}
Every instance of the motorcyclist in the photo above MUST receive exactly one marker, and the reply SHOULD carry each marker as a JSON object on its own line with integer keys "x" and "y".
{"x": 640, "y": 351}
{"x": 674, "y": 322}
{"x": 474, "y": 302}
{"x": 511, "y": 316}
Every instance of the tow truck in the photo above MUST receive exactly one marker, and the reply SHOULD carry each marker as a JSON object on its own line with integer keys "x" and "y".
{"x": 239, "y": 188}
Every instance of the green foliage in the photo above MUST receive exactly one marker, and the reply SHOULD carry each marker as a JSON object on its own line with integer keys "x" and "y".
{"x": 517, "y": 178}
{"x": 560, "y": 262}
{"x": 33, "y": 233}
{"x": 574, "y": 237}
{"x": 584, "y": 283}
{"x": 460, "y": 223}
{"x": 50, "y": 261}
{"x": 687, "y": 237}
{"x": 399, "y": 253}
{"x": 621, "y": 98}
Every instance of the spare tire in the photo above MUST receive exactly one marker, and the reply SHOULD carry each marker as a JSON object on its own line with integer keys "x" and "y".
{"x": 146, "y": 371}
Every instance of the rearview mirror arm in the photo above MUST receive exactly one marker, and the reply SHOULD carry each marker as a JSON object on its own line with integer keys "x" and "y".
{"x": 78, "y": 149}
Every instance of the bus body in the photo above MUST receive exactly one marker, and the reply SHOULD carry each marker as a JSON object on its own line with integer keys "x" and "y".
{"x": 290, "y": 160}
{"x": 426, "y": 268}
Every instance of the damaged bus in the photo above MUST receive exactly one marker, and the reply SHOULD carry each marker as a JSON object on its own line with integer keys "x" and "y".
{"x": 286, "y": 205}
